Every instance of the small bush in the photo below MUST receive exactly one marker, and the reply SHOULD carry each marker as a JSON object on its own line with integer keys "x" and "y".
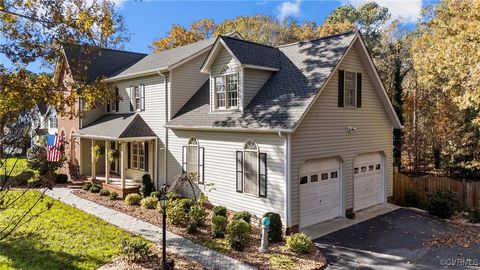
{"x": 185, "y": 203}
{"x": 219, "y": 210}
{"x": 155, "y": 194}
{"x": 133, "y": 199}
{"x": 149, "y": 202}
{"x": 412, "y": 199}
{"x": 192, "y": 228}
{"x": 87, "y": 186}
{"x": 94, "y": 189}
{"x": 22, "y": 178}
{"x": 299, "y": 243}
{"x": 113, "y": 196}
{"x": 61, "y": 178}
{"x": 135, "y": 251}
{"x": 275, "y": 233}
{"x": 237, "y": 233}
{"x": 474, "y": 216}
{"x": 147, "y": 185}
{"x": 219, "y": 226}
{"x": 243, "y": 215}
{"x": 176, "y": 213}
{"x": 441, "y": 204}
{"x": 197, "y": 215}
{"x": 104, "y": 192}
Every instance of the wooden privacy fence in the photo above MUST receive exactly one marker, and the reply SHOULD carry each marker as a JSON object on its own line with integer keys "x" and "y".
{"x": 467, "y": 193}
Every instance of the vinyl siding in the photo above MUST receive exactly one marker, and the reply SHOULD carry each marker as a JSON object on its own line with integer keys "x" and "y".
{"x": 254, "y": 79}
{"x": 224, "y": 58}
{"x": 323, "y": 132}
{"x": 220, "y": 168}
{"x": 92, "y": 115}
{"x": 186, "y": 80}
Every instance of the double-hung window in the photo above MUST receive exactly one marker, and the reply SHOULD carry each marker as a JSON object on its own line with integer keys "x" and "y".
{"x": 113, "y": 106}
{"x": 53, "y": 121}
{"x": 252, "y": 170}
{"x": 193, "y": 159}
{"x": 137, "y": 98}
{"x": 349, "y": 89}
{"x": 138, "y": 153}
{"x": 226, "y": 89}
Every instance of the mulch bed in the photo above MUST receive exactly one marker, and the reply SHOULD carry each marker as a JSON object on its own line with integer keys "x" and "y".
{"x": 314, "y": 260}
{"x": 152, "y": 262}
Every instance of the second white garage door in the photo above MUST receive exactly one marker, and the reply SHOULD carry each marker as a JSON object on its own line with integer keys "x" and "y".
{"x": 319, "y": 191}
{"x": 368, "y": 180}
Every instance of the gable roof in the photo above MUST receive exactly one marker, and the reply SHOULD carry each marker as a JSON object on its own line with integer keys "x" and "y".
{"x": 98, "y": 62}
{"x": 288, "y": 94}
{"x": 285, "y": 97}
{"x": 117, "y": 126}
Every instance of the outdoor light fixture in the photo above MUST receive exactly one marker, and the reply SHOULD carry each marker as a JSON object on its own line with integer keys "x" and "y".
{"x": 164, "y": 205}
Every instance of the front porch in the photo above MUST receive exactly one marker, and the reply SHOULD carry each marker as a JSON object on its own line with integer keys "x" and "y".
{"x": 114, "y": 184}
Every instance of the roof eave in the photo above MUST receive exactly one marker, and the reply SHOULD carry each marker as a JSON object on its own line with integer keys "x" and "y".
{"x": 231, "y": 129}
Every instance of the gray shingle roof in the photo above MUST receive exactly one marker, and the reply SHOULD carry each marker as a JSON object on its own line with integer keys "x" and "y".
{"x": 117, "y": 126}
{"x": 249, "y": 53}
{"x": 284, "y": 98}
{"x": 163, "y": 60}
{"x": 89, "y": 63}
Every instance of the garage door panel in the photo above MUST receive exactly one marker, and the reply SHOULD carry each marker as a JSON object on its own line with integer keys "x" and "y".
{"x": 368, "y": 180}
{"x": 319, "y": 199}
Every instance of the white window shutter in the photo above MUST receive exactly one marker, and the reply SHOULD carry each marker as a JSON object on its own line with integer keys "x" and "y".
{"x": 143, "y": 97}
{"x": 132, "y": 99}
{"x": 201, "y": 166}
{"x": 184, "y": 159}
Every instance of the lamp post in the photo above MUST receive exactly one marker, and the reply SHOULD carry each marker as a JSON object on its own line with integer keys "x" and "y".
{"x": 164, "y": 205}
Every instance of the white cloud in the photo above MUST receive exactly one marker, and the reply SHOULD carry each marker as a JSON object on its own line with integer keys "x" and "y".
{"x": 407, "y": 10}
{"x": 289, "y": 9}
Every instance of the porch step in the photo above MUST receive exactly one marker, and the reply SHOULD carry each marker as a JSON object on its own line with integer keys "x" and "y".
{"x": 76, "y": 184}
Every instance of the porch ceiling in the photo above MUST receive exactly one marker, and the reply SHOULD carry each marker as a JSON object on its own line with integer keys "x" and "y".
{"x": 117, "y": 127}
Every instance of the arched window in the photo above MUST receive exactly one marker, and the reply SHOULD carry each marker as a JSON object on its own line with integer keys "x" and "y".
{"x": 252, "y": 170}
{"x": 226, "y": 88}
{"x": 192, "y": 161}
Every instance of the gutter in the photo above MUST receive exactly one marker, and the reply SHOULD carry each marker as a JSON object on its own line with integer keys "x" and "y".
{"x": 233, "y": 129}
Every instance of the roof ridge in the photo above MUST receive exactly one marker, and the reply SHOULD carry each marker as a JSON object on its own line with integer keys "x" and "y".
{"x": 316, "y": 39}
{"x": 248, "y": 41}
{"x": 102, "y": 48}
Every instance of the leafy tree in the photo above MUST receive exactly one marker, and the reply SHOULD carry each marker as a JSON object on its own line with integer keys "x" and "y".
{"x": 179, "y": 36}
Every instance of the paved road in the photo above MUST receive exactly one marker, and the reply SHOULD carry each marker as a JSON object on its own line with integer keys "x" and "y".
{"x": 393, "y": 241}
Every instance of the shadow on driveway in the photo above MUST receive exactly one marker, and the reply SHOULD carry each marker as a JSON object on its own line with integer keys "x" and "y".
{"x": 394, "y": 241}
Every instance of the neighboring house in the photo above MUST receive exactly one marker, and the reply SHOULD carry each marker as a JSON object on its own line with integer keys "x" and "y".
{"x": 44, "y": 120}
{"x": 303, "y": 129}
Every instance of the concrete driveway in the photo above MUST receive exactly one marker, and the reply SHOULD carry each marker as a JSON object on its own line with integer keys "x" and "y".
{"x": 395, "y": 241}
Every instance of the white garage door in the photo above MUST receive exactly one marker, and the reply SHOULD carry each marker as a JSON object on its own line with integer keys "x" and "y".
{"x": 367, "y": 179}
{"x": 319, "y": 191}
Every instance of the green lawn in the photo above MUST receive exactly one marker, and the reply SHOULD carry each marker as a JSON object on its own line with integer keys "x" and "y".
{"x": 60, "y": 238}
{"x": 18, "y": 167}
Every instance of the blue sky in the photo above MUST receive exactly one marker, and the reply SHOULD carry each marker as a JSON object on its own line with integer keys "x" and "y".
{"x": 147, "y": 21}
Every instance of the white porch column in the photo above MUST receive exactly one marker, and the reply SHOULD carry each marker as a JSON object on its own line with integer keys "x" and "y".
{"x": 107, "y": 162}
{"x": 123, "y": 160}
{"x": 94, "y": 161}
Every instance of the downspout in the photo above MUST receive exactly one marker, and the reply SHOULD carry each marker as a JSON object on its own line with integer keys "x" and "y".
{"x": 165, "y": 142}
{"x": 287, "y": 146}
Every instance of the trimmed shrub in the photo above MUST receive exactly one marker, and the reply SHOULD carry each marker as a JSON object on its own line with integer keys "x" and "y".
{"x": 133, "y": 199}
{"x": 474, "y": 216}
{"x": 104, "y": 192}
{"x": 87, "y": 186}
{"x": 149, "y": 202}
{"x": 155, "y": 194}
{"x": 185, "y": 203}
{"x": 219, "y": 210}
{"x": 192, "y": 228}
{"x": 113, "y": 196}
{"x": 219, "y": 226}
{"x": 299, "y": 243}
{"x": 197, "y": 215}
{"x": 243, "y": 215}
{"x": 94, "y": 189}
{"x": 412, "y": 199}
{"x": 135, "y": 251}
{"x": 176, "y": 213}
{"x": 441, "y": 204}
{"x": 61, "y": 178}
{"x": 237, "y": 233}
{"x": 147, "y": 185}
{"x": 275, "y": 233}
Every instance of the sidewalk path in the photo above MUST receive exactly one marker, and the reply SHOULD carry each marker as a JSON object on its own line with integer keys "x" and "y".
{"x": 175, "y": 244}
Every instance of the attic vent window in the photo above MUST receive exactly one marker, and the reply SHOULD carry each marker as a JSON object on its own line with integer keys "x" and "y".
{"x": 226, "y": 89}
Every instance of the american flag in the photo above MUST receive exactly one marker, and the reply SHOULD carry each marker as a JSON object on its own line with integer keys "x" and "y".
{"x": 54, "y": 142}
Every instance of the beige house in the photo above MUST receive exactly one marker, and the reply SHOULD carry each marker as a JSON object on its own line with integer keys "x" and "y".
{"x": 303, "y": 129}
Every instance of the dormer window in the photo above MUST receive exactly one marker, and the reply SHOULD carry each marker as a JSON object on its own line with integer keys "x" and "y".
{"x": 226, "y": 89}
